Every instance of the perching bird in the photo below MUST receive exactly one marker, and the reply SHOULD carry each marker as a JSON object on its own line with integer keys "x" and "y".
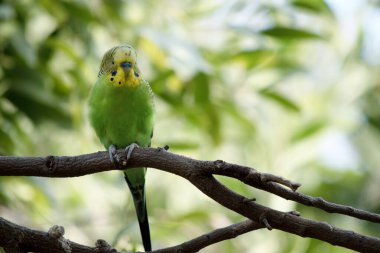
{"x": 121, "y": 112}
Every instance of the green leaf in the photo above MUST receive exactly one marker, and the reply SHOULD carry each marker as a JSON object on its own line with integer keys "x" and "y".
{"x": 201, "y": 90}
{"x": 255, "y": 57}
{"x": 280, "y": 32}
{"x": 318, "y": 6}
{"x": 307, "y": 131}
{"x": 280, "y": 99}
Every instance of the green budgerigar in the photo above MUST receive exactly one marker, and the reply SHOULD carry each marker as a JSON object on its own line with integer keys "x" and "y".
{"x": 121, "y": 112}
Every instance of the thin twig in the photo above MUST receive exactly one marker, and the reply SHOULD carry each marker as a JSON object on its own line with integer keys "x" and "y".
{"x": 253, "y": 178}
{"x": 213, "y": 237}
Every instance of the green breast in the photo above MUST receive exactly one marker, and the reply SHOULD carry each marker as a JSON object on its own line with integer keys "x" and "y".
{"x": 122, "y": 115}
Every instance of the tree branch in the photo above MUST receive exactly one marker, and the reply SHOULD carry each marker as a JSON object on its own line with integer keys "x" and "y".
{"x": 66, "y": 166}
{"x": 18, "y": 239}
{"x": 199, "y": 173}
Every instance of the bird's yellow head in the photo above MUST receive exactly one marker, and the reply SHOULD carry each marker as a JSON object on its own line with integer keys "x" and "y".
{"x": 119, "y": 67}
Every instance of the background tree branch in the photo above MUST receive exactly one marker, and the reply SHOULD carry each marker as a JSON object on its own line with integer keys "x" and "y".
{"x": 19, "y": 239}
{"x": 200, "y": 174}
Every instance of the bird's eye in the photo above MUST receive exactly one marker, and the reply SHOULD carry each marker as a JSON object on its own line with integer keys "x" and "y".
{"x": 126, "y": 64}
{"x": 136, "y": 74}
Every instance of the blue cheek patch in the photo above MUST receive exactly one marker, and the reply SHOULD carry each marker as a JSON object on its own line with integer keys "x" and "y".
{"x": 114, "y": 73}
{"x": 136, "y": 74}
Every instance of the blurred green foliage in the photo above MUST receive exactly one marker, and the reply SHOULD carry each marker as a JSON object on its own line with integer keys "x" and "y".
{"x": 285, "y": 86}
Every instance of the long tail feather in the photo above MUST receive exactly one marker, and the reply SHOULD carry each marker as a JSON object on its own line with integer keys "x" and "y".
{"x": 139, "y": 200}
{"x": 145, "y": 231}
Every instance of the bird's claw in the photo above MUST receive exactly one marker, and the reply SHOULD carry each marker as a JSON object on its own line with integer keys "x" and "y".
{"x": 129, "y": 149}
{"x": 114, "y": 157}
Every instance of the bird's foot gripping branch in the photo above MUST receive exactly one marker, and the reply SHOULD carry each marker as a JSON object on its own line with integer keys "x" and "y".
{"x": 200, "y": 174}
